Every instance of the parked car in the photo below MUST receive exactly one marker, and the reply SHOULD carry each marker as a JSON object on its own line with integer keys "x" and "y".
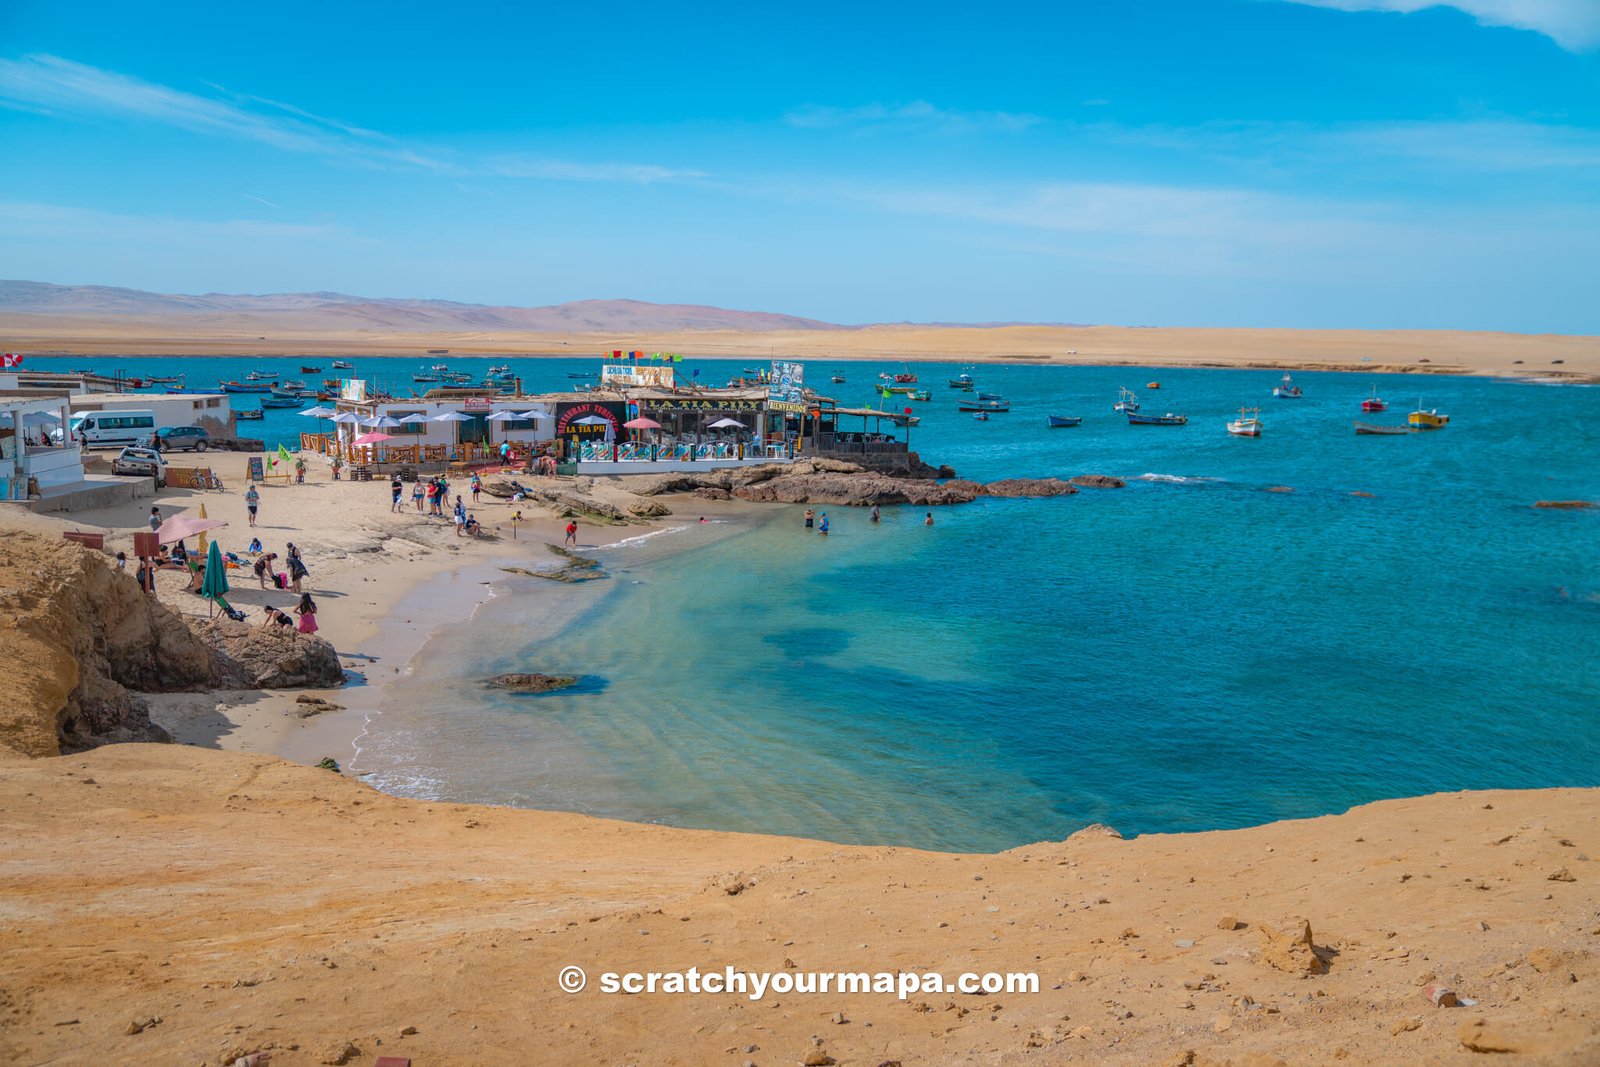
{"x": 134, "y": 460}
{"x": 180, "y": 439}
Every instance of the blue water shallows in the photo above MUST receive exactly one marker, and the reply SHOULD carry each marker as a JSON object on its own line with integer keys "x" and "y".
{"x": 1191, "y": 652}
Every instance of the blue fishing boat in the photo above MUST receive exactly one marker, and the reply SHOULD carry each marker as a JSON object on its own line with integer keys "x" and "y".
{"x": 1057, "y": 421}
{"x": 961, "y": 381}
{"x": 272, "y": 400}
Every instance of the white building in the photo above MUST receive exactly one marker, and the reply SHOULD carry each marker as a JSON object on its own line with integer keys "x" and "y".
{"x": 212, "y": 412}
{"x": 27, "y": 460}
{"x": 481, "y": 418}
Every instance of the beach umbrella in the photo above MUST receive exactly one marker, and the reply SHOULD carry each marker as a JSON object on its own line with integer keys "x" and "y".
{"x": 535, "y": 416}
{"x": 591, "y": 420}
{"x": 372, "y": 438}
{"x": 347, "y": 417}
{"x": 505, "y": 416}
{"x": 319, "y": 413}
{"x": 385, "y": 422}
{"x": 452, "y": 416}
{"x": 181, "y": 526}
{"x": 724, "y": 424}
{"x": 216, "y": 580}
{"x": 203, "y": 515}
{"x": 642, "y": 423}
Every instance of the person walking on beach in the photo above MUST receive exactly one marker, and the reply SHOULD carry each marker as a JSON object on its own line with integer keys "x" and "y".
{"x": 477, "y": 487}
{"x": 418, "y": 491}
{"x": 822, "y": 525}
{"x": 307, "y": 610}
{"x": 252, "y": 500}
{"x": 810, "y": 516}
{"x": 155, "y": 519}
{"x": 397, "y": 489}
{"x": 572, "y": 534}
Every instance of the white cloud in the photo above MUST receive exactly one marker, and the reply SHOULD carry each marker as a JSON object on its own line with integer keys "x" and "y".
{"x": 1572, "y": 24}
{"x": 917, "y": 115}
{"x": 53, "y": 86}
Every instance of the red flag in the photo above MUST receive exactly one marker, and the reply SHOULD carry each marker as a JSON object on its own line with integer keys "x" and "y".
{"x": 908, "y": 411}
{"x": 13, "y": 359}
{"x": 616, "y": 353}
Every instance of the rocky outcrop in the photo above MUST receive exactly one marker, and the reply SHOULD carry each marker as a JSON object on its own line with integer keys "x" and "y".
{"x": 269, "y": 657}
{"x": 649, "y": 509}
{"x": 530, "y": 683}
{"x": 1030, "y": 487}
{"x": 1097, "y": 481}
{"x": 859, "y": 490}
{"x": 77, "y": 638}
{"x": 707, "y": 492}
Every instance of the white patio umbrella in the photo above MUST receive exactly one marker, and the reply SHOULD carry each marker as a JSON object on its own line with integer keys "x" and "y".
{"x": 535, "y": 416}
{"x": 347, "y": 416}
{"x": 319, "y": 413}
{"x": 384, "y": 422}
{"x": 724, "y": 424}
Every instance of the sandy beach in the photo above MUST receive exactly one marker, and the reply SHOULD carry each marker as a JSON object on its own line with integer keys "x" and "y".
{"x": 1563, "y": 358}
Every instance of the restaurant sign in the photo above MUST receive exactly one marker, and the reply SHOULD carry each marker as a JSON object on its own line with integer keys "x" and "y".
{"x": 794, "y": 407}
{"x": 568, "y": 418}
{"x": 699, "y": 404}
{"x": 627, "y": 374}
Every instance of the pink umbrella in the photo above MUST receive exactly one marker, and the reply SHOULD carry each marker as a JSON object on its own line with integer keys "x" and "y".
{"x": 181, "y": 526}
{"x": 372, "y": 438}
{"x": 642, "y": 423}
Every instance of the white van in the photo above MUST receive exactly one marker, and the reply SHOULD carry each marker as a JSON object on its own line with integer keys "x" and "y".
{"x": 101, "y": 429}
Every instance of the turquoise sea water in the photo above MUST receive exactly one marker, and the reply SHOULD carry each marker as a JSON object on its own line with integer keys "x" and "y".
{"x": 1187, "y": 653}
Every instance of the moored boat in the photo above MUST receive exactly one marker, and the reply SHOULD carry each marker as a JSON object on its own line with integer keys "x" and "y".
{"x": 424, "y": 377}
{"x": 1152, "y": 385}
{"x": 1058, "y": 421}
{"x": 247, "y": 413}
{"x": 838, "y": 379}
{"x": 1169, "y": 419}
{"x": 984, "y": 405}
{"x": 174, "y": 379}
{"x": 1374, "y": 402}
{"x": 1126, "y": 401}
{"x": 275, "y": 400}
{"x": 1288, "y": 390}
{"x": 905, "y": 379}
{"x": 245, "y": 387}
{"x": 1370, "y": 428}
{"x": 920, "y": 394}
{"x": 341, "y": 364}
{"x": 1247, "y": 424}
{"x": 981, "y": 416}
{"x": 1427, "y": 420}
{"x": 261, "y": 376}
{"x": 990, "y": 396}
{"x": 312, "y": 370}
{"x": 961, "y": 381}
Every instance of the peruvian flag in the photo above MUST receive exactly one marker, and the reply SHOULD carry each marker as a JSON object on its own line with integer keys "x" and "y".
{"x": 12, "y": 359}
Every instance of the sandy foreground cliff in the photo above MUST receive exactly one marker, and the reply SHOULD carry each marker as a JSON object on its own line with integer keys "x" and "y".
{"x": 168, "y": 904}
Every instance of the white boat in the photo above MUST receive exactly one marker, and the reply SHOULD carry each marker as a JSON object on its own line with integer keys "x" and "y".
{"x": 1247, "y": 424}
{"x": 1288, "y": 390}
{"x": 1127, "y": 402}
{"x": 341, "y": 364}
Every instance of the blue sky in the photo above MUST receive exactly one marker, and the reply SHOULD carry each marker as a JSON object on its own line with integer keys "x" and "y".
{"x": 1318, "y": 163}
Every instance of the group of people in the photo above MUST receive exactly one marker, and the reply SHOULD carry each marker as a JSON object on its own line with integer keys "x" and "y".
{"x": 820, "y": 522}
{"x": 294, "y": 572}
{"x": 435, "y": 493}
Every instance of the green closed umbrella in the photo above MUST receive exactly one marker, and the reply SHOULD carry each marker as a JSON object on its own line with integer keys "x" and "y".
{"x": 216, "y": 580}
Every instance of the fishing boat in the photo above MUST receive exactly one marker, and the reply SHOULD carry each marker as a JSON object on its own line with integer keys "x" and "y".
{"x": 1152, "y": 385}
{"x": 340, "y": 364}
{"x": 895, "y": 390}
{"x": 424, "y": 377}
{"x": 1169, "y": 419}
{"x": 585, "y": 374}
{"x": 1288, "y": 390}
{"x": 283, "y": 391}
{"x": 961, "y": 381}
{"x": 1371, "y": 428}
{"x": 175, "y": 379}
{"x": 280, "y": 400}
{"x": 906, "y": 379}
{"x": 981, "y": 416}
{"x": 1427, "y": 420}
{"x": 261, "y": 376}
{"x": 245, "y": 387}
{"x": 1247, "y": 424}
{"x": 178, "y": 390}
{"x": 984, "y": 405}
{"x": 293, "y": 383}
{"x": 312, "y": 370}
{"x": 503, "y": 368}
{"x": 1059, "y": 421}
{"x": 1374, "y": 402}
{"x": 247, "y": 413}
{"x": 990, "y": 396}
{"x": 1126, "y": 401}
{"x": 838, "y": 379}
{"x": 920, "y": 394}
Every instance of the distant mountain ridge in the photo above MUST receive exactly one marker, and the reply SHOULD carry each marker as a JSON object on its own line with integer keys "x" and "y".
{"x": 343, "y": 311}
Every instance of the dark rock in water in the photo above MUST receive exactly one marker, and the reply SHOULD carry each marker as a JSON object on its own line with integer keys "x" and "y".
{"x": 858, "y": 489}
{"x": 1097, "y": 481}
{"x": 531, "y": 683}
{"x": 576, "y": 568}
{"x": 328, "y": 763}
{"x": 1030, "y": 487}
{"x": 1280, "y": 488}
